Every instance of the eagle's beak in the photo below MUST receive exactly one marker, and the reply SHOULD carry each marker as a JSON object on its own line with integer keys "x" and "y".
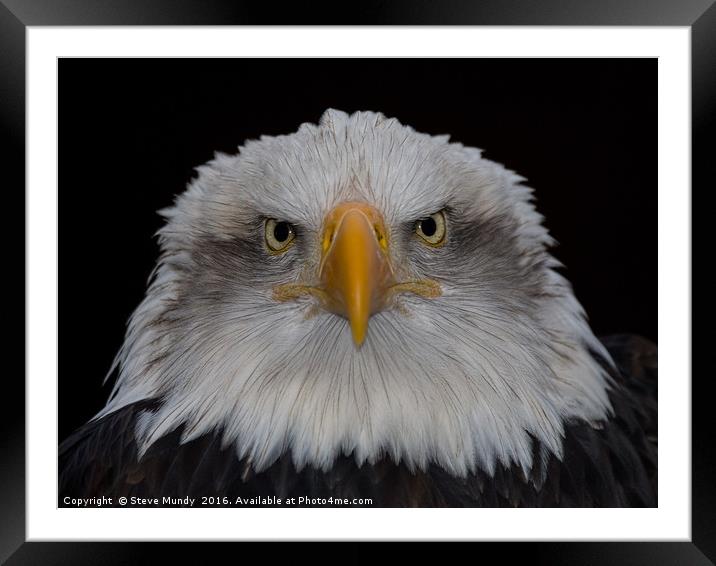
{"x": 355, "y": 270}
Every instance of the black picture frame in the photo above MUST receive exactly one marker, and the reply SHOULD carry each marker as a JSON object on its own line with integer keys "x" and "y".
{"x": 16, "y": 15}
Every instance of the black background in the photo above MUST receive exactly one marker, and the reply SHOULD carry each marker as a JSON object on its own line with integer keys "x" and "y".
{"x": 583, "y": 132}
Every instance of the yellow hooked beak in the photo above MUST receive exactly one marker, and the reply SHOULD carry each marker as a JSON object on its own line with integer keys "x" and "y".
{"x": 355, "y": 271}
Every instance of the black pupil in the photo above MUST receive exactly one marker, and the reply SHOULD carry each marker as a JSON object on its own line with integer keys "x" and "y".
{"x": 281, "y": 231}
{"x": 428, "y": 226}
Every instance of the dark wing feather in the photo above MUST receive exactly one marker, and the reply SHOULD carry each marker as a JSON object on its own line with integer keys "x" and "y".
{"x": 610, "y": 466}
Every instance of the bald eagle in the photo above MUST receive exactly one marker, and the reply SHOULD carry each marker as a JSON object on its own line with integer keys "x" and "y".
{"x": 359, "y": 310}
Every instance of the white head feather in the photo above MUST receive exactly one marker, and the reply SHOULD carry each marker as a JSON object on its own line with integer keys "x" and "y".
{"x": 463, "y": 380}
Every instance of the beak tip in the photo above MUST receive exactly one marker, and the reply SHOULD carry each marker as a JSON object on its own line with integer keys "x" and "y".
{"x": 358, "y": 337}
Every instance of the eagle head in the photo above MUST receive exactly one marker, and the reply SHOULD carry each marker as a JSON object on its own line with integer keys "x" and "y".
{"x": 359, "y": 288}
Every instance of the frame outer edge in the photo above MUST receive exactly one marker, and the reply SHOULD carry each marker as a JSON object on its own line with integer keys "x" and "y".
{"x": 12, "y": 128}
{"x": 12, "y": 121}
{"x": 362, "y": 12}
{"x": 703, "y": 124}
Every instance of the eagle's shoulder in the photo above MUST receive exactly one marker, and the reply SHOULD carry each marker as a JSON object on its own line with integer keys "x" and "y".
{"x": 614, "y": 463}
{"x": 607, "y": 464}
{"x": 99, "y": 458}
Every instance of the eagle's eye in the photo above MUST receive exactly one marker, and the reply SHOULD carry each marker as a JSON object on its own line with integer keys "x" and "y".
{"x": 432, "y": 228}
{"x": 279, "y": 235}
